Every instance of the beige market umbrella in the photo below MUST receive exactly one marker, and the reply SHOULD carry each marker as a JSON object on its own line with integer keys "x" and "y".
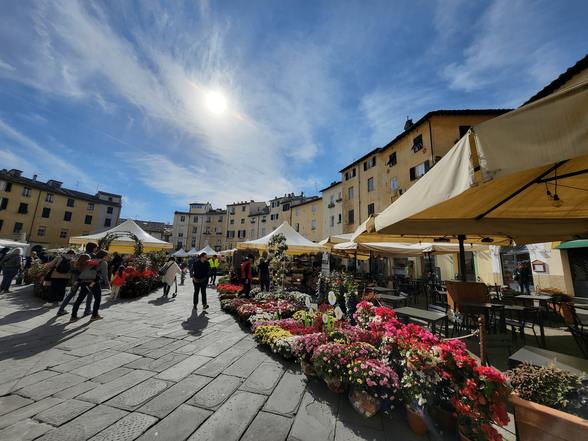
{"x": 296, "y": 243}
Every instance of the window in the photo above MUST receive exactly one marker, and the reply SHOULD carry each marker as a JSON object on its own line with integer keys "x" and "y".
{"x": 369, "y": 164}
{"x": 193, "y": 242}
{"x": 242, "y": 221}
{"x": 274, "y": 217}
{"x": 230, "y": 234}
{"x": 208, "y": 219}
{"x": 207, "y": 230}
{"x": 297, "y": 211}
{"x": 252, "y": 220}
{"x": 67, "y": 216}
{"x": 109, "y": 210}
{"x": 23, "y": 208}
{"x": 417, "y": 143}
{"x": 180, "y": 243}
{"x": 194, "y": 230}
{"x": 3, "y": 203}
{"x": 70, "y": 202}
{"x": 6, "y": 186}
{"x": 90, "y": 206}
{"x": 351, "y": 218}
{"x": 350, "y": 192}
{"x": 181, "y": 232}
{"x": 195, "y": 207}
{"x": 109, "y": 199}
{"x": 419, "y": 170}
{"x": 370, "y": 184}
{"x": 339, "y": 221}
{"x": 17, "y": 228}
{"x": 263, "y": 231}
{"x": 41, "y": 232}
{"x": 49, "y": 197}
{"x": 463, "y": 130}
{"x": 285, "y": 207}
{"x": 243, "y": 208}
{"x": 220, "y": 218}
{"x": 352, "y": 173}
{"x": 63, "y": 234}
{"x": 275, "y": 204}
{"x": 107, "y": 222}
{"x": 46, "y": 212}
{"x": 333, "y": 200}
{"x": 314, "y": 225}
{"x": 232, "y": 210}
{"x": 252, "y": 234}
{"x": 219, "y": 230}
{"x": 263, "y": 219}
{"x": 394, "y": 183}
{"x": 391, "y": 159}
{"x": 332, "y": 221}
{"x": 195, "y": 219}
{"x": 297, "y": 227}
{"x": 26, "y": 192}
{"x": 241, "y": 234}
{"x": 370, "y": 209}
{"x": 313, "y": 207}
{"x": 232, "y": 221}
{"x": 88, "y": 219}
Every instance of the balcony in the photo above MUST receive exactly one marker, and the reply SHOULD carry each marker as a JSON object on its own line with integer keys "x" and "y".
{"x": 219, "y": 232}
{"x": 331, "y": 205}
{"x": 263, "y": 220}
{"x": 338, "y": 200}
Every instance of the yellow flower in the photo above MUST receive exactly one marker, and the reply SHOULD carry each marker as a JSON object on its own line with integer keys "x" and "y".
{"x": 359, "y": 381}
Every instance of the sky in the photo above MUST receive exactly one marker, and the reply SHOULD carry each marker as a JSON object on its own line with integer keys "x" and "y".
{"x": 113, "y": 95}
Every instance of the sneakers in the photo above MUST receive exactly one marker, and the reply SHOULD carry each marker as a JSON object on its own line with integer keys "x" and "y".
{"x": 175, "y": 295}
{"x": 204, "y": 306}
{"x": 86, "y": 314}
{"x": 96, "y": 317}
{"x": 73, "y": 319}
{"x": 62, "y": 313}
{"x": 50, "y": 304}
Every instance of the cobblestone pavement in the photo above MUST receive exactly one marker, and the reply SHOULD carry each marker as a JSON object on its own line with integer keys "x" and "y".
{"x": 155, "y": 369}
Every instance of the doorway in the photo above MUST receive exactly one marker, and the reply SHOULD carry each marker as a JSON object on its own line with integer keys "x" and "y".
{"x": 578, "y": 258}
{"x": 510, "y": 257}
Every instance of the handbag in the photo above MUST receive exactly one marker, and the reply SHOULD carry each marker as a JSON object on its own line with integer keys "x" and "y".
{"x": 163, "y": 270}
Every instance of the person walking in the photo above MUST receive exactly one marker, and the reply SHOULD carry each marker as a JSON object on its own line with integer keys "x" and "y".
{"x": 199, "y": 273}
{"x": 523, "y": 275}
{"x": 90, "y": 282}
{"x": 246, "y": 275}
{"x": 213, "y": 269}
{"x": 77, "y": 267}
{"x": 11, "y": 263}
{"x": 264, "y": 275}
{"x": 91, "y": 249}
{"x": 60, "y": 268}
{"x": 118, "y": 279}
{"x": 171, "y": 269}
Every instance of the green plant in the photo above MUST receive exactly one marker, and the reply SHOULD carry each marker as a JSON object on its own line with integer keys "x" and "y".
{"x": 548, "y": 385}
{"x": 277, "y": 251}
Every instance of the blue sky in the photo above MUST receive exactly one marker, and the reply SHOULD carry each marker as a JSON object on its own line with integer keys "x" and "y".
{"x": 112, "y": 94}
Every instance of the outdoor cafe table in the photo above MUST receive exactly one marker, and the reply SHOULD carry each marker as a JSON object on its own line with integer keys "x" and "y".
{"x": 428, "y": 316}
{"x": 395, "y": 300}
{"x": 381, "y": 290}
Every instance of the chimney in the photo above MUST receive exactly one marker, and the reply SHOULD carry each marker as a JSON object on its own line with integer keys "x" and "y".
{"x": 54, "y": 184}
{"x": 408, "y": 124}
{"x": 34, "y": 178}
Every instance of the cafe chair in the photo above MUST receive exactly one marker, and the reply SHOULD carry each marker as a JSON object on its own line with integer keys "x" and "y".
{"x": 581, "y": 338}
{"x": 527, "y": 319}
{"x": 577, "y": 321}
{"x": 495, "y": 313}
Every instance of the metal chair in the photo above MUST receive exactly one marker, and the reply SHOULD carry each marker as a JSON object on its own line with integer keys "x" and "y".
{"x": 577, "y": 320}
{"x": 527, "y": 320}
{"x": 581, "y": 338}
{"x": 496, "y": 311}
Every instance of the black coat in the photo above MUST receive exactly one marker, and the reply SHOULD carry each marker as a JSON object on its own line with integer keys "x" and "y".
{"x": 200, "y": 270}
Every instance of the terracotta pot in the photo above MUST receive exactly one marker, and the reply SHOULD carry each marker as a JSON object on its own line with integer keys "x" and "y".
{"x": 537, "y": 422}
{"x": 462, "y": 436}
{"x": 365, "y": 404}
{"x": 416, "y": 422}
{"x": 307, "y": 368}
{"x": 335, "y": 384}
{"x": 446, "y": 421}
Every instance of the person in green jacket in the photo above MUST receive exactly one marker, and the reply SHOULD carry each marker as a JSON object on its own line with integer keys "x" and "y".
{"x": 213, "y": 268}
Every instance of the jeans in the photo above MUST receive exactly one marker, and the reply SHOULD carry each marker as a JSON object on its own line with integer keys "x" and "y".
{"x": 200, "y": 287}
{"x": 212, "y": 276}
{"x": 9, "y": 274}
{"x": 524, "y": 285}
{"x": 89, "y": 299}
{"x": 58, "y": 287}
{"x": 264, "y": 282}
{"x": 67, "y": 299}
{"x": 85, "y": 289}
{"x": 246, "y": 287}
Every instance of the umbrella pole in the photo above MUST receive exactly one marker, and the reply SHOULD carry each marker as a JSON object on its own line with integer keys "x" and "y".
{"x": 462, "y": 262}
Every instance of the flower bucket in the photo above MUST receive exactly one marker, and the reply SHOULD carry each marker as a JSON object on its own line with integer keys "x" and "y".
{"x": 335, "y": 384}
{"x": 416, "y": 421}
{"x": 366, "y": 405}
{"x": 307, "y": 368}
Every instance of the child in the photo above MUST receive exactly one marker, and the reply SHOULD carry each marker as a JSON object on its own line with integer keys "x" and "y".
{"x": 116, "y": 282}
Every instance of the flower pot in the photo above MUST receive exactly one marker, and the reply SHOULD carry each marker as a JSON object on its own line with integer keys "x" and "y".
{"x": 307, "y": 368}
{"x": 462, "y": 436}
{"x": 416, "y": 421}
{"x": 535, "y": 421}
{"x": 335, "y": 384}
{"x": 446, "y": 421}
{"x": 365, "y": 404}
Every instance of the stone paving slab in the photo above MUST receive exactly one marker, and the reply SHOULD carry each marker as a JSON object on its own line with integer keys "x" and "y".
{"x": 263, "y": 379}
{"x": 106, "y": 391}
{"x": 231, "y": 420}
{"x": 27, "y": 411}
{"x": 215, "y": 366}
{"x": 168, "y": 400}
{"x": 50, "y": 359}
{"x": 94, "y": 348}
{"x": 184, "y": 368}
{"x": 220, "y": 345}
{"x": 139, "y": 363}
{"x": 287, "y": 395}
{"x": 28, "y": 380}
{"x": 63, "y": 412}
{"x": 166, "y": 362}
{"x": 170, "y": 347}
{"x": 179, "y": 425}
{"x": 100, "y": 367}
{"x": 245, "y": 365}
{"x": 87, "y": 425}
{"x": 76, "y": 390}
{"x": 216, "y": 392}
{"x": 84, "y": 361}
{"x": 136, "y": 396}
{"x": 26, "y": 430}
{"x": 127, "y": 429}
{"x": 111, "y": 375}
{"x": 12, "y": 402}
{"x": 268, "y": 427}
{"x": 45, "y": 388}
{"x": 352, "y": 432}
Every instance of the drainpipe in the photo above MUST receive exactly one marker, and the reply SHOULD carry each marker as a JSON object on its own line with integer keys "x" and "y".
{"x": 432, "y": 147}
{"x": 35, "y": 215}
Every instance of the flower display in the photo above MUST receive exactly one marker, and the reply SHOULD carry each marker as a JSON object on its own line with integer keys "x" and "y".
{"x": 338, "y": 313}
{"x": 227, "y": 288}
{"x": 373, "y": 376}
{"x": 304, "y": 346}
{"x": 331, "y": 359}
{"x": 268, "y": 334}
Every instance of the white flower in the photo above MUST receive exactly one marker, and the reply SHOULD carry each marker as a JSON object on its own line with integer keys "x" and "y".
{"x": 325, "y": 318}
{"x": 332, "y": 298}
{"x": 307, "y": 302}
{"x": 338, "y": 313}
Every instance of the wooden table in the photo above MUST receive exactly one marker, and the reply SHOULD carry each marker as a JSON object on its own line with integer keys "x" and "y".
{"x": 395, "y": 300}
{"x": 428, "y": 316}
{"x": 542, "y": 357}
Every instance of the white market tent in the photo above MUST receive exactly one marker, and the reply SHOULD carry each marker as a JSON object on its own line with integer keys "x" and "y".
{"x": 338, "y": 238}
{"x": 208, "y": 250}
{"x": 123, "y": 243}
{"x": 6, "y": 243}
{"x": 192, "y": 252}
{"x": 180, "y": 253}
{"x": 296, "y": 243}
{"x": 227, "y": 252}
{"x": 502, "y": 178}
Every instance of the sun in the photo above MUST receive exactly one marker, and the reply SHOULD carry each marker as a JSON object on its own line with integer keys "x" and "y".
{"x": 216, "y": 102}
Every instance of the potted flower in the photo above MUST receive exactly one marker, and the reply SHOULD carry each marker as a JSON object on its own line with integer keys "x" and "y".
{"x": 371, "y": 381}
{"x": 330, "y": 361}
{"x": 304, "y": 347}
{"x": 547, "y": 403}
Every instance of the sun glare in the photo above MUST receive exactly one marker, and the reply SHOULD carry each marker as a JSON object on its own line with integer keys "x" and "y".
{"x": 216, "y": 102}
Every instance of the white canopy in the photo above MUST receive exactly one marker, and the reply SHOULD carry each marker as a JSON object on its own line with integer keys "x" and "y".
{"x": 338, "y": 238}
{"x": 208, "y": 251}
{"x": 495, "y": 180}
{"x": 407, "y": 249}
{"x": 123, "y": 241}
{"x": 296, "y": 243}
{"x": 227, "y": 252}
{"x": 192, "y": 252}
{"x": 180, "y": 253}
{"x": 6, "y": 243}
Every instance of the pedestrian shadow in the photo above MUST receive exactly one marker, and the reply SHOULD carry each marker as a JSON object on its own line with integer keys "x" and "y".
{"x": 196, "y": 322}
{"x": 159, "y": 301}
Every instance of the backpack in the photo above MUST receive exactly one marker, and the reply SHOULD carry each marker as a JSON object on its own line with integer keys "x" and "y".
{"x": 63, "y": 267}
{"x": 163, "y": 270}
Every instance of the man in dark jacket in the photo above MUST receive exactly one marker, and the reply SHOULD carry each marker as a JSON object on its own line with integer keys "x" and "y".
{"x": 199, "y": 273}
{"x": 523, "y": 275}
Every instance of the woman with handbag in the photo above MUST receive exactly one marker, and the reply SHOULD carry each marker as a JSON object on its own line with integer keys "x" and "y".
{"x": 170, "y": 269}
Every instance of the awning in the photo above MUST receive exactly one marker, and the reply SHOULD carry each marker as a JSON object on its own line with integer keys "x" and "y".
{"x": 572, "y": 244}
